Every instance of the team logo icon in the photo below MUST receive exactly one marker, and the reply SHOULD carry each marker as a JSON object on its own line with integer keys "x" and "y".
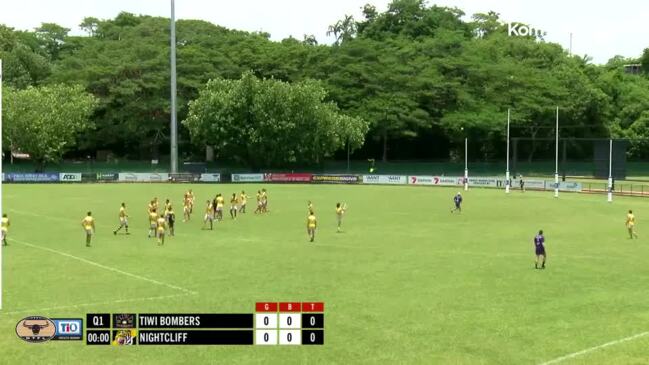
{"x": 124, "y": 337}
{"x": 36, "y": 329}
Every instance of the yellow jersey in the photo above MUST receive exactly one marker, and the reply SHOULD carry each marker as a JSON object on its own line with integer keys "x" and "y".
{"x": 630, "y": 220}
{"x": 5, "y": 224}
{"x": 339, "y": 211}
{"x": 209, "y": 208}
{"x": 219, "y": 202}
{"x": 311, "y": 221}
{"x": 264, "y": 196}
{"x": 122, "y": 212}
{"x": 234, "y": 201}
{"x": 88, "y": 223}
{"x": 243, "y": 198}
{"x": 153, "y": 217}
{"x": 161, "y": 224}
{"x": 310, "y": 206}
{"x": 150, "y": 207}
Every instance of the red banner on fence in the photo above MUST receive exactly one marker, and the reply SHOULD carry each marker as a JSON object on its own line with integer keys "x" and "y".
{"x": 292, "y": 177}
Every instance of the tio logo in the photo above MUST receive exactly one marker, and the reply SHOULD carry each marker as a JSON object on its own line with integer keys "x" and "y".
{"x": 522, "y": 30}
{"x": 68, "y": 327}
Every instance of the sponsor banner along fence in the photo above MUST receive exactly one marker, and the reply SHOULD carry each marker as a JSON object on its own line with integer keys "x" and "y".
{"x": 247, "y": 177}
{"x": 70, "y": 177}
{"x": 142, "y": 177}
{"x": 107, "y": 176}
{"x": 435, "y": 180}
{"x": 385, "y": 179}
{"x": 210, "y": 177}
{"x": 336, "y": 179}
{"x": 31, "y": 177}
{"x": 292, "y": 177}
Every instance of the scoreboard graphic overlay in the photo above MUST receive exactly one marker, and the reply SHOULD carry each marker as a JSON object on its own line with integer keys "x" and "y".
{"x": 273, "y": 323}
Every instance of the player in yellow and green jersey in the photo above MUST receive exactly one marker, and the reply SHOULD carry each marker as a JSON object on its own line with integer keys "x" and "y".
{"x": 4, "y": 228}
{"x": 264, "y": 201}
{"x": 220, "y": 200}
{"x": 234, "y": 206}
{"x": 340, "y": 210}
{"x": 311, "y": 225}
{"x": 258, "y": 210}
{"x": 630, "y": 225}
{"x": 161, "y": 225}
{"x": 153, "y": 223}
{"x": 209, "y": 214}
{"x": 88, "y": 224}
{"x": 123, "y": 219}
{"x": 243, "y": 200}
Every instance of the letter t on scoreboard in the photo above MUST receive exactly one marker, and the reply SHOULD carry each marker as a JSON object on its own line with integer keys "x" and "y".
{"x": 266, "y": 323}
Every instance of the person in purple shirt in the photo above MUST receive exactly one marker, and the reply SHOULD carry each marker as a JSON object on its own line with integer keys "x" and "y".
{"x": 539, "y": 247}
{"x": 457, "y": 199}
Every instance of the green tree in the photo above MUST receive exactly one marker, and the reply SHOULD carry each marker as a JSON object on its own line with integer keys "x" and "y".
{"x": 52, "y": 37}
{"x": 45, "y": 121}
{"x": 265, "y": 122}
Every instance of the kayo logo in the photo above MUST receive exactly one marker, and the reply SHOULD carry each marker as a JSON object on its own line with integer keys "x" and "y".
{"x": 522, "y": 30}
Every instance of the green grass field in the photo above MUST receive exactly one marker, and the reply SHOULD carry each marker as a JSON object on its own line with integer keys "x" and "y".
{"x": 407, "y": 282}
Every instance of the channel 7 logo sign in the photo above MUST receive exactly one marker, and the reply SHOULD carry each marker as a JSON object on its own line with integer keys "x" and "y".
{"x": 68, "y": 329}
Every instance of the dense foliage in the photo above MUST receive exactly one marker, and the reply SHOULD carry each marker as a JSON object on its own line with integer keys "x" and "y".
{"x": 422, "y": 77}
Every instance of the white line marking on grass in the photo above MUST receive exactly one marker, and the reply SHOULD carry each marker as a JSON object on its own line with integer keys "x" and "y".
{"x": 40, "y": 310}
{"x": 595, "y": 348}
{"x": 104, "y": 266}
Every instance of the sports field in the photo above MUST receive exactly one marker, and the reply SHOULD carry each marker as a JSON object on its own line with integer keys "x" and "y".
{"x": 407, "y": 281}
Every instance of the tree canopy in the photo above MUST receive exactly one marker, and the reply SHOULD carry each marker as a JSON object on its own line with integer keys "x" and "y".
{"x": 422, "y": 77}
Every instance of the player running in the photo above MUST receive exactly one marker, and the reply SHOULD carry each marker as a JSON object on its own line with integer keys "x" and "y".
{"x": 457, "y": 199}
{"x": 123, "y": 219}
{"x": 234, "y": 206}
{"x": 153, "y": 223}
{"x": 539, "y": 249}
{"x": 88, "y": 224}
{"x": 161, "y": 225}
{"x": 264, "y": 201}
{"x": 4, "y": 228}
{"x": 630, "y": 225}
{"x": 340, "y": 210}
{"x": 209, "y": 214}
{"x": 243, "y": 200}
{"x": 311, "y": 225}
{"x": 259, "y": 202}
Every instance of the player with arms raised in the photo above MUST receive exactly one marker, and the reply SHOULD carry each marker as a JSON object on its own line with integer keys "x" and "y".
{"x": 123, "y": 219}
{"x": 88, "y": 224}
{"x": 539, "y": 250}
{"x": 340, "y": 210}
{"x": 630, "y": 225}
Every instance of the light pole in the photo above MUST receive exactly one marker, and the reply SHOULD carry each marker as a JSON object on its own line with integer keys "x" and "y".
{"x": 174, "y": 126}
{"x": 610, "y": 170}
{"x": 507, "y": 171}
{"x": 466, "y": 164}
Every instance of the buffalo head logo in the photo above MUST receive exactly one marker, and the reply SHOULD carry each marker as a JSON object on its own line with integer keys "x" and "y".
{"x": 36, "y": 327}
